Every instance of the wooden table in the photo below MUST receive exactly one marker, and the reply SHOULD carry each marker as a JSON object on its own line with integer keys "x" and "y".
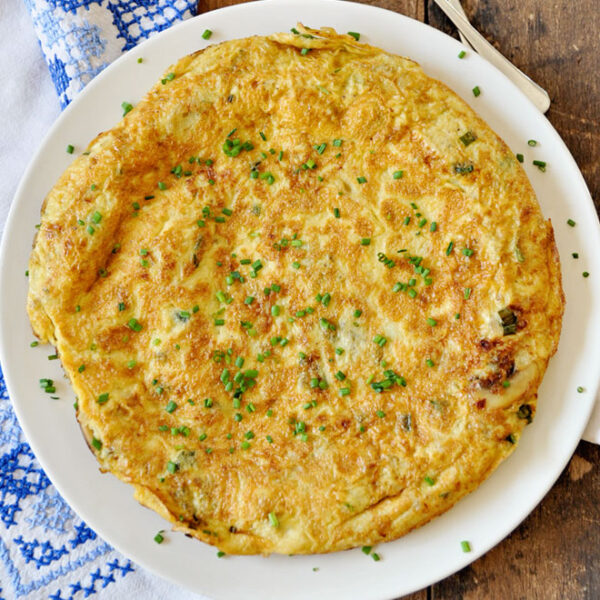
{"x": 555, "y": 553}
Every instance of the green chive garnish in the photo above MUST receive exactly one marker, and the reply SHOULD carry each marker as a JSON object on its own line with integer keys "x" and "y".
{"x": 207, "y": 33}
{"x": 466, "y": 546}
{"x": 70, "y": 149}
{"x": 355, "y": 35}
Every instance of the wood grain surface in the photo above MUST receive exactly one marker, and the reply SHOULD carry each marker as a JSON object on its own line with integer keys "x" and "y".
{"x": 555, "y": 553}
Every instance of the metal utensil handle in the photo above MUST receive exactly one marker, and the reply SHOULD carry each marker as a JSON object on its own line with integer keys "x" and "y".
{"x": 458, "y": 6}
{"x": 532, "y": 90}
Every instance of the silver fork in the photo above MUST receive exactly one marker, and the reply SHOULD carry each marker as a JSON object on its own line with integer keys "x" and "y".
{"x": 472, "y": 38}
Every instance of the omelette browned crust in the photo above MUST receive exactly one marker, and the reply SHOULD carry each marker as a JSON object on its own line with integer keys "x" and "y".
{"x": 353, "y": 240}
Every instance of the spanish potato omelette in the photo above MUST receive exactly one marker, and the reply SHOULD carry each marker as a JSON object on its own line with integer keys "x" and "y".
{"x": 304, "y": 295}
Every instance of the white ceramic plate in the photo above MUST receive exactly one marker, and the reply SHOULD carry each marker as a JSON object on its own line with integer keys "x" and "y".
{"x": 426, "y": 555}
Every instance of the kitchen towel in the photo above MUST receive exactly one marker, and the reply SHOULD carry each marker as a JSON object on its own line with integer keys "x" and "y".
{"x": 46, "y": 550}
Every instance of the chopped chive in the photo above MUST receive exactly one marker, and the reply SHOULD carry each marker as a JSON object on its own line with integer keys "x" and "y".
{"x": 466, "y": 546}
{"x": 206, "y": 34}
{"x": 467, "y": 293}
{"x": 127, "y": 107}
{"x": 429, "y": 480}
{"x": 467, "y": 251}
{"x": 468, "y": 138}
{"x": 380, "y": 414}
{"x": 431, "y": 322}
{"x": 540, "y": 164}
{"x": 571, "y": 223}
{"x": 273, "y": 520}
{"x": 336, "y": 213}
{"x": 355, "y": 35}
{"x": 398, "y": 174}
{"x": 433, "y": 226}
{"x": 70, "y": 149}
{"x": 275, "y": 310}
{"x": 365, "y": 241}
{"x": 103, "y": 398}
{"x": 580, "y": 390}
{"x": 361, "y": 179}
{"x": 219, "y": 322}
{"x": 585, "y": 274}
{"x": 449, "y": 248}
{"x": 344, "y": 391}
{"x": 162, "y": 185}
{"x": 520, "y": 158}
{"x": 462, "y": 54}
{"x": 134, "y": 325}
{"x": 304, "y": 51}
{"x": 476, "y": 91}
{"x": 531, "y": 142}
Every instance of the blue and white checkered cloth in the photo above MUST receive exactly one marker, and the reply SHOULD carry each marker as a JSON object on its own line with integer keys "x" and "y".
{"x": 79, "y": 38}
{"x": 46, "y": 551}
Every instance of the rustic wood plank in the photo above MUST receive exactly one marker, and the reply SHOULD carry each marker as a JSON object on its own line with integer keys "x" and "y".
{"x": 410, "y": 8}
{"x": 557, "y": 44}
{"x": 206, "y": 5}
{"x": 553, "y": 555}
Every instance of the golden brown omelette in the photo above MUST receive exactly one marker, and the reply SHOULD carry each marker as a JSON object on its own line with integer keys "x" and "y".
{"x": 304, "y": 295}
